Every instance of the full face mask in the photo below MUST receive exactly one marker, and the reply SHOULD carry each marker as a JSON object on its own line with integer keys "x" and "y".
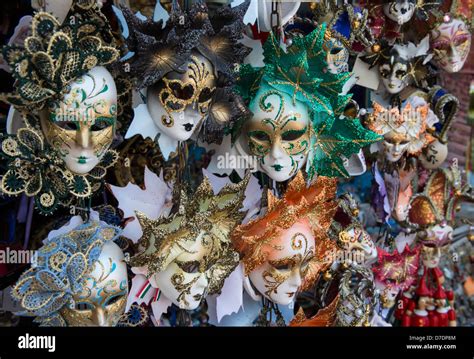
{"x": 394, "y": 75}
{"x": 281, "y": 276}
{"x": 394, "y": 272}
{"x": 82, "y": 125}
{"x": 337, "y": 56}
{"x": 79, "y": 279}
{"x": 278, "y": 134}
{"x": 435, "y": 242}
{"x": 179, "y": 102}
{"x": 400, "y": 11}
{"x": 451, "y": 42}
{"x": 284, "y": 250}
{"x": 188, "y": 255}
{"x": 404, "y": 131}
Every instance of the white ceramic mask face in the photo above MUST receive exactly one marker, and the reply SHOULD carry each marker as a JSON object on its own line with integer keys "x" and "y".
{"x": 400, "y": 11}
{"x": 431, "y": 255}
{"x": 451, "y": 43}
{"x": 180, "y": 101}
{"x": 388, "y": 293}
{"x": 82, "y": 126}
{"x": 185, "y": 281}
{"x": 280, "y": 278}
{"x": 394, "y": 77}
{"x": 104, "y": 297}
{"x": 395, "y": 145}
{"x": 358, "y": 244}
{"x": 278, "y": 134}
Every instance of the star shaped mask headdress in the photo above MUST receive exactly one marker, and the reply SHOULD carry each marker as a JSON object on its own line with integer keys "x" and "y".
{"x": 301, "y": 72}
{"x": 207, "y": 218}
{"x": 163, "y": 48}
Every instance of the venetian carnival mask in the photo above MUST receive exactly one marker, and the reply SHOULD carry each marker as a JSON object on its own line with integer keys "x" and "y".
{"x": 179, "y": 102}
{"x": 283, "y": 251}
{"x": 394, "y": 75}
{"x": 357, "y": 242}
{"x": 337, "y": 56}
{"x": 451, "y": 42}
{"x": 79, "y": 278}
{"x": 278, "y": 133}
{"x": 394, "y": 272}
{"x": 81, "y": 126}
{"x": 104, "y": 296}
{"x": 395, "y": 145}
{"x": 188, "y": 255}
{"x": 281, "y": 276}
{"x": 435, "y": 241}
{"x": 400, "y": 11}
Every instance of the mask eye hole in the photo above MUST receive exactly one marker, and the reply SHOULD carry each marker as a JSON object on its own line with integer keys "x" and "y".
{"x": 384, "y": 73}
{"x": 282, "y": 267}
{"x": 82, "y": 306}
{"x": 189, "y": 267}
{"x": 68, "y": 125}
{"x": 100, "y": 124}
{"x": 181, "y": 92}
{"x": 400, "y": 73}
{"x": 292, "y": 135}
{"x": 205, "y": 95}
{"x": 260, "y": 136}
{"x": 112, "y": 300}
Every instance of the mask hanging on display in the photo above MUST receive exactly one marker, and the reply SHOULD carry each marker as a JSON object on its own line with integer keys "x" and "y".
{"x": 400, "y": 65}
{"x": 432, "y": 212}
{"x": 450, "y": 37}
{"x": 400, "y": 11}
{"x": 350, "y": 235}
{"x": 283, "y": 251}
{"x": 405, "y": 132}
{"x": 187, "y": 69}
{"x": 188, "y": 254}
{"x": 80, "y": 279}
{"x": 75, "y": 101}
{"x": 296, "y": 107}
{"x": 395, "y": 272}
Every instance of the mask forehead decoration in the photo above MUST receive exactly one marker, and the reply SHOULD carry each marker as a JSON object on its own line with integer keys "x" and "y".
{"x": 164, "y": 53}
{"x": 193, "y": 244}
{"x": 67, "y": 267}
{"x": 258, "y": 239}
{"x": 299, "y": 73}
{"x": 54, "y": 58}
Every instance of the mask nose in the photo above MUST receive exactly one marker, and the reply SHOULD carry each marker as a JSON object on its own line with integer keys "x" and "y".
{"x": 99, "y": 317}
{"x": 277, "y": 151}
{"x": 295, "y": 279}
{"x": 83, "y": 137}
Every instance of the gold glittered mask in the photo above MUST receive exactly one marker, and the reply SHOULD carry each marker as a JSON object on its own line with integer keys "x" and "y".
{"x": 195, "y": 87}
{"x": 189, "y": 254}
{"x": 81, "y": 127}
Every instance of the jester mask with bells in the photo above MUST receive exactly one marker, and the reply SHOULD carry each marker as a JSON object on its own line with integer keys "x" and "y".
{"x": 395, "y": 272}
{"x": 188, "y": 70}
{"x": 399, "y": 65}
{"x": 404, "y": 131}
{"x": 79, "y": 279}
{"x": 432, "y": 212}
{"x": 188, "y": 254}
{"x": 296, "y": 104}
{"x": 283, "y": 251}
{"x": 451, "y": 36}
